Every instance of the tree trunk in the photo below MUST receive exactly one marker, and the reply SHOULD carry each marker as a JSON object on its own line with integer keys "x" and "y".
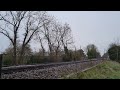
{"x": 50, "y": 49}
{"x": 14, "y": 56}
{"x": 21, "y": 55}
{"x": 66, "y": 50}
{"x": 67, "y": 53}
{"x": 56, "y": 54}
{"x": 43, "y": 52}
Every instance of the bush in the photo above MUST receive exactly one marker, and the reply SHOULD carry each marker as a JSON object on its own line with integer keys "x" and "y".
{"x": 38, "y": 60}
{"x": 66, "y": 58}
{"x": 7, "y": 60}
{"x": 114, "y": 53}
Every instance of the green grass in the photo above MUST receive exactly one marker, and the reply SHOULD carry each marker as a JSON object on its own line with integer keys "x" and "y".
{"x": 106, "y": 70}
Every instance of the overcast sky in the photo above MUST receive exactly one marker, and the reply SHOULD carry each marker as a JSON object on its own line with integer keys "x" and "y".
{"x": 88, "y": 27}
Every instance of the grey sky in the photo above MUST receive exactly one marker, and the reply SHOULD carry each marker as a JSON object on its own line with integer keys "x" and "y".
{"x": 98, "y": 27}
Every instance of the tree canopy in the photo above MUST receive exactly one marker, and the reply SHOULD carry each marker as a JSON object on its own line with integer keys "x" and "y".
{"x": 114, "y": 52}
{"x": 92, "y": 51}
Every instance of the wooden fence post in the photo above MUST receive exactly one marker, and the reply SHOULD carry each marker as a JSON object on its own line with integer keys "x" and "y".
{"x": 1, "y": 57}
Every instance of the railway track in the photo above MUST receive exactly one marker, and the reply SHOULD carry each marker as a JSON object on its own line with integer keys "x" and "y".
{"x": 20, "y": 68}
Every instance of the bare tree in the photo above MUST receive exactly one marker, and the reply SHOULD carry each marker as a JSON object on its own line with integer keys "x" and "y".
{"x": 34, "y": 22}
{"x": 14, "y": 23}
{"x": 10, "y": 22}
{"x": 39, "y": 38}
{"x": 57, "y": 36}
{"x": 50, "y": 33}
{"x": 47, "y": 31}
{"x": 66, "y": 37}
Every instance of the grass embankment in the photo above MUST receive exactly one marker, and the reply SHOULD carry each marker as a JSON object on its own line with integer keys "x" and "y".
{"x": 106, "y": 70}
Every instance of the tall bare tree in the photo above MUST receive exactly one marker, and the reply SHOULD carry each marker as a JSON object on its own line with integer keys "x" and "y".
{"x": 15, "y": 23}
{"x": 47, "y": 31}
{"x": 39, "y": 38}
{"x": 10, "y": 22}
{"x": 66, "y": 37}
{"x": 34, "y": 22}
{"x": 57, "y": 27}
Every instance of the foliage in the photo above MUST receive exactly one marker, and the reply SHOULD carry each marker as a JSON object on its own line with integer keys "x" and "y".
{"x": 80, "y": 55}
{"x": 106, "y": 70}
{"x": 92, "y": 52}
{"x": 114, "y": 52}
{"x": 37, "y": 60}
{"x": 66, "y": 58}
{"x": 7, "y": 60}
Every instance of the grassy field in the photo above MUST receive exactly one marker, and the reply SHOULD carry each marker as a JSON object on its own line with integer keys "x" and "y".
{"x": 106, "y": 70}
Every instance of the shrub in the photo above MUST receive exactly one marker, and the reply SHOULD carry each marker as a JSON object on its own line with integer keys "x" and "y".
{"x": 114, "y": 53}
{"x": 38, "y": 60}
{"x": 7, "y": 60}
